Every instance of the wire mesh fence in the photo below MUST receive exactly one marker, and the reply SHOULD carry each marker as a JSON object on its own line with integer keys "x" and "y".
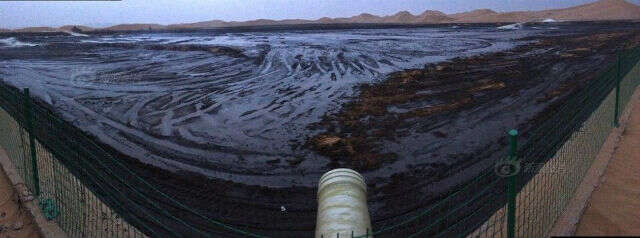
{"x": 91, "y": 192}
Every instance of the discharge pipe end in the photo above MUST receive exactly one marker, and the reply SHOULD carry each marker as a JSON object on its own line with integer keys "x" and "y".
{"x": 342, "y": 205}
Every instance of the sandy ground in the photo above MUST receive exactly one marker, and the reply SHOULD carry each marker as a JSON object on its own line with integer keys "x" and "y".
{"x": 614, "y": 206}
{"x": 14, "y": 220}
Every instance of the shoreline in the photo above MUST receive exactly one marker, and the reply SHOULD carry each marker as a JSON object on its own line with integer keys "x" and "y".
{"x": 303, "y": 27}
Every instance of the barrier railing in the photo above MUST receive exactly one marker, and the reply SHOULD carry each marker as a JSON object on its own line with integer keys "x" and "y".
{"x": 91, "y": 192}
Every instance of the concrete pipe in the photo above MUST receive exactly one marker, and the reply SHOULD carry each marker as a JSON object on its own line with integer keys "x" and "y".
{"x": 342, "y": 205}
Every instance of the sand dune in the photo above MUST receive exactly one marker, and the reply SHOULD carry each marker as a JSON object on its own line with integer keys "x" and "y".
{"x": 362, "y": 18}
{"x": 600, "y": 10}
{"x": 37, "y": 29}
{"x": 204, "y": 24}
{"x": 430, "y": 16}
{"x": 400, "y": 17}
{"x": 135, "y": 27}
{"x": 472, "y": 14}
{"x": 267, "y": 22}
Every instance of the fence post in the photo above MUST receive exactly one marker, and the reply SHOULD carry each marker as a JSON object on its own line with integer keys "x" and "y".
{"x": 511, "y": 187}
{"x": 618, "y": 79}
{"x": 32, "y": 141}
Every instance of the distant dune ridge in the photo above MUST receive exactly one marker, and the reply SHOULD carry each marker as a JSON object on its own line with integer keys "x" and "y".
{"x": 600, "y": 10}
{"x": 37, "y": 29}
{"x": 135, "y": 27}
{"x": 472, "y": 14}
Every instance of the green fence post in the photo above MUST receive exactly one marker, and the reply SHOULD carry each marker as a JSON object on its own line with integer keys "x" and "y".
{"x": 618, "y": 79}
{"x": 32, "y": 141}
{"x": 511, "y": 187}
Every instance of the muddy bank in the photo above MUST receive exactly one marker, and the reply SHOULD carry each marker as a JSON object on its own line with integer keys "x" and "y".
{"x": 457, "y": 114}
{"x": 382, "y": 112}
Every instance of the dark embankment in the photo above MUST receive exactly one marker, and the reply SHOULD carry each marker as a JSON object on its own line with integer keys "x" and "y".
{"x": 470, "y": 104}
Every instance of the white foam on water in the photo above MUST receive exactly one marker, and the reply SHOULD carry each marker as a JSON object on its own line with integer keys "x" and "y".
{"x": 76, "y": 34}
{"x": 515, "y": 26}
{"x": 13, "y": 42}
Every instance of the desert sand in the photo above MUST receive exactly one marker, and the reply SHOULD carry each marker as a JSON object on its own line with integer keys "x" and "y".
{"x": 14, "y": 220}
{"x": 600, "y": 10}
{"x": 614, "y": 208}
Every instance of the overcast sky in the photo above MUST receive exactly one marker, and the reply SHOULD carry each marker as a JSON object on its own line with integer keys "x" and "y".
{"x": 14, "y": 14}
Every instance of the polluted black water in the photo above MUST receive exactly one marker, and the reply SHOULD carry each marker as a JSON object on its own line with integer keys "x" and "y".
{"x": 228, "y": 105}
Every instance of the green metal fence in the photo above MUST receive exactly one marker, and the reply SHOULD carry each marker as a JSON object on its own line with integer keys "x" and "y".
{"x": 63, "y": 198}
{"x": 91, "y": 192}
